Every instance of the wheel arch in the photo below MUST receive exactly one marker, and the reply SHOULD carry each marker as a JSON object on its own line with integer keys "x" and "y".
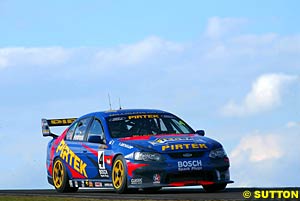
{"x": 115, "y": 156}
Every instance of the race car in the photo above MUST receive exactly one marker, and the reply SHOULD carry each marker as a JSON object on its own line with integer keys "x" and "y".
{"x": 130, "y": 149}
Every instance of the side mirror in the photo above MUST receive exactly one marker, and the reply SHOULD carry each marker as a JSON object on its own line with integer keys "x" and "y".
{"x": 95, "y": 139}
{"x": 200, "y": 132}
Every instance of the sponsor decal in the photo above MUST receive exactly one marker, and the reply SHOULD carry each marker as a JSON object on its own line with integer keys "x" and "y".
{"x": 102, "y": 146}
{"x": 136, "y": 181}
{"x": 183, "y": 147}
{"x": 121, "y": 144}
{"x": 82, "y": 183}
{"x": 61, "y": 122}
{"x": 189, "y": 165}
{"x": 156, "y": 179}
{"x": 76, "y": 183}
{"x": 165, "y": 140}
{"x": 108, "y": 185}
{"x": 172, "y": 139}
{"x": 102, "y": 170}
{"x": 169, "y": 116}
{"x": 101, "y": 160}
{"x": 46, "y": 131}
{"x": 98, "y": 184}
{"x": 117, "y": 119}
{"x": 70, "y": 183}
{"x": 129, "y": 113}
{"x": 71, "y": 158}
{"x": 143, "y": 116}
{"x": 104, "y": 173}
{"x": 91, "y": 184}
{"x": 108, "y": 160}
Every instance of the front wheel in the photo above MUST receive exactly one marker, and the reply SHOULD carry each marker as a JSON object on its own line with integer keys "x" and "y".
{"x": 60, "y": 178}
{"x": 214, "y": 187}
{"x": 119, "y": 175}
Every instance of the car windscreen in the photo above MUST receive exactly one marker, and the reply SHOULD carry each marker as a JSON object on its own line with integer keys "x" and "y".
{"x": 146, "y": 124}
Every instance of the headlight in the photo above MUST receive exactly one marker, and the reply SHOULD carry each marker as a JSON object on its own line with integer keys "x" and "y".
{"x": 217, "y": 153}
{"x": 147, "y": 156}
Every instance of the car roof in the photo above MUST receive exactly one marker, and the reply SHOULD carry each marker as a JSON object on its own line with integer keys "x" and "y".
{"x": 110, "y": 113}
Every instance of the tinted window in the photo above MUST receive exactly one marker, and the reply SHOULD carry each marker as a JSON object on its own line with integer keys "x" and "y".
{"x": 81, "y": 128}
{"x": 70, "y": 132}
{"x": 146, "y": 124}
{"x": 96, "y": 129}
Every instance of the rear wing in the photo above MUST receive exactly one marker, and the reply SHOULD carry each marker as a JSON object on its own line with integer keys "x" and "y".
{"x": 47, "y": 123}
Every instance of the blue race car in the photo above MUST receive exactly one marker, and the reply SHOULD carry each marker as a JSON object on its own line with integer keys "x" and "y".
{"x": 133, "y": 149}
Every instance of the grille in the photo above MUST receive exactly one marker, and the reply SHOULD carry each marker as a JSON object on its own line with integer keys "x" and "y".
{"x": 191, "y": 155}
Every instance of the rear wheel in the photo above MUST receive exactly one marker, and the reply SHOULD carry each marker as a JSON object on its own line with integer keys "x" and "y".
{"x": 214, "y": 187}
{"x": 119, "y": 175}
{"x": 60, "y": 178}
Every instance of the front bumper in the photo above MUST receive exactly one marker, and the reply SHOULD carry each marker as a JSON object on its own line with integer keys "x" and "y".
{"x": 170, "y": 175}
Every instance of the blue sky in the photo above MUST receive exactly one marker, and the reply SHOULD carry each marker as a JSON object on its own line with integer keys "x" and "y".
{"x": 229, "y": 67}
{"x": 106, "y": 23}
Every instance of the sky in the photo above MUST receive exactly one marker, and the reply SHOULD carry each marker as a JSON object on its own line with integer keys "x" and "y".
{"x": 229, "y": 67}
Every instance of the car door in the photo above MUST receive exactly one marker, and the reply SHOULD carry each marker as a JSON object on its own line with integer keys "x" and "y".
{"x": 95, "y": 150}
{"x": 74, "y": 139}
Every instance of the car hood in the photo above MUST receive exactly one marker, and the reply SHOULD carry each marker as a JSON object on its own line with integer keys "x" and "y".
{"x": 172, "y": 143}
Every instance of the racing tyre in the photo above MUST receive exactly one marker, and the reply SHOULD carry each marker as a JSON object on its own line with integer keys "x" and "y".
{"x": 214, "y": 187}
{"x": 119, "y": 175}
{"x": 60, "y": 178}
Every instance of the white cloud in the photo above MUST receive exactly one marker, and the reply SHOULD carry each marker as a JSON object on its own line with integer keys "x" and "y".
{"x": 262, "y": 159}
{"x": 266, "y": 93}
{"x": 293, "y": 124}
{"x": 136, "y": 53}
{"x": 268, "y": 49}
{"x": 218, "y": 27}
{"x": 289, "y": 44}
{"x": 21, "y": 56}
{"x": 257, "y": 148}
{"x": 150, "y": 49}
{"x": 255, "y": 40}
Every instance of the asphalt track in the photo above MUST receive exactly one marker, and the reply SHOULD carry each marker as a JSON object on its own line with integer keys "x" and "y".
{"x": 164, "y": 194}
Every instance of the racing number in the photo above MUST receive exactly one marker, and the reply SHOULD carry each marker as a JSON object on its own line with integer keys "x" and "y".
{"x": 101, "y": 160}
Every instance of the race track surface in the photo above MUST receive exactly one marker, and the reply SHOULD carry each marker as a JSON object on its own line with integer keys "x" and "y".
{"x": 164, "y": 194}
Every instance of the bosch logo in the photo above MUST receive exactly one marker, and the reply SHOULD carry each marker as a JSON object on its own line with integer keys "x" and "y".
{"x": 194, "y": 163}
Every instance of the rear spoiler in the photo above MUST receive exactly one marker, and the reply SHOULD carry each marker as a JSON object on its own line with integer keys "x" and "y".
{"x": 47, "y": 123}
